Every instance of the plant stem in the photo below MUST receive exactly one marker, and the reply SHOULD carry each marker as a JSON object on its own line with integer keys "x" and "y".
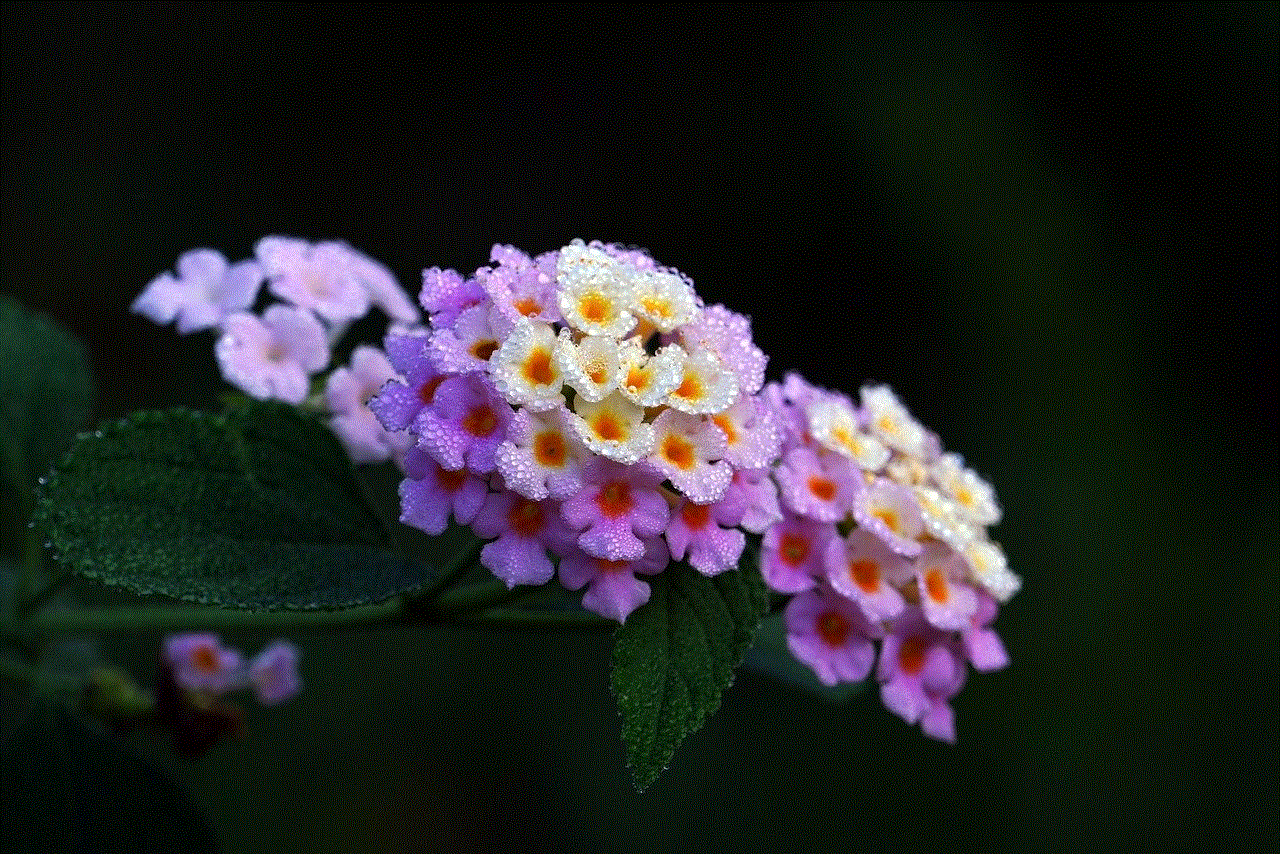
{"x": 511, "y": 618}
{"x": 106, "y": 620}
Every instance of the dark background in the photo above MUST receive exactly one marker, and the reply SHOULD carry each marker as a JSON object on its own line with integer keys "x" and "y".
{"x": 1052, "y": 230}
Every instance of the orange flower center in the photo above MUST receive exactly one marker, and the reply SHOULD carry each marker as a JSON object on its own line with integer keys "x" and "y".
{"x": 695, "y": 516}
{"x": 525, "y": 517}
{"x": 866, "y": 574}
{"x": 890, "y": 518}
{"x": 911, "y": 655}
{"x": 679, "y": 451}
{"x": 480, "y": 421}
{"x": 594, "y": 307}
{"x": 608, "y": 427}
{"x": 483, "y": 349}
{"x": 833, "y": 628}
{"x": 614, "y": 498}
{"x": 824, "y": 488}
{"x": 450, "y": 481}
{"x": 537, "y": 368}
{"x": 935, "y": 584}
{"x": 690, "y": 389}
{"x": 528, "y": 306}
{"x": 548, "y": 449}
{"x": 794, "y": 549}
{"x": 722, "y": 421}
{"x": 428, "y": 391}
{"x": 205, "y": 659}
{"x": 637, "y": 380}
{"x": 603, "y": 565}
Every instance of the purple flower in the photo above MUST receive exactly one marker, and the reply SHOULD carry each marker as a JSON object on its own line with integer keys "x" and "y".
{"x": 921, "y": 668}
{"x": 429, "y": 493}
{"x": 617, "y": 508}
{"x": 398, "y": 404}
{"x": 792, "y": 553}
{"x": 272, "y": 356}
{"x": 706, "y": 533}
{"x": 982, "y": 645}
{"x": 445, "y": 295}
{"x": 274, "y": 673}
{"x": 201, "y": 663}
{"x": 205, "y": 291}
{"x": 525, "y": 530}
{"x": 464, "y": 424}
{"x": 820, "y": 488}
{"x": 613, "y": 590}
{"x": 829, "y": 634}
{"x": 347, "y": 395}
{"x": 521, "y": 287}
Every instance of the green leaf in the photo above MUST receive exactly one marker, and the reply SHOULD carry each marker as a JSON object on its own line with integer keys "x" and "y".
{"x": 769, "y": 654}
{"x": 48, "y": 391}
{"x": 67, "y": 787}
{"x": 256, "y": 508}
{"x": 675, "y": 656}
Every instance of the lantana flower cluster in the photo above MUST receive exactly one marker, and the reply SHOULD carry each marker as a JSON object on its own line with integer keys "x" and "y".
{"x": 583, "y": 404}
{"x": 883, "y": 540}
{"x": 322, "y": 288}
{"x": 587, "y": 413}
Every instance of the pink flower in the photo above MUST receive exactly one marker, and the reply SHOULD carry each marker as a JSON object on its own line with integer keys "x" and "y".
{"x": 272, "y": 356}
{"x": 325, "y": 278}
{"x": 820, "y": 488}
{"x": 861, "y": 568}
{"x": 792, "y": 553}
{"x": 982, "y": 645}
{"x": 347, "y": 395}
{"x": 205, "y": 291}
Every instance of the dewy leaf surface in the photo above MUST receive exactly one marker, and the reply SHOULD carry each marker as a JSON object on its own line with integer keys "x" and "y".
{"x": 258, "y": 508}
{"x": 675, "y": 656}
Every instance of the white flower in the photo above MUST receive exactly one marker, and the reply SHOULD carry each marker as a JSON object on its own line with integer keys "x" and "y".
{"x": 707, "y": 386}
{"x": 524, "y": 369}
{"x": 834, "y": 425}
{"x": 647, "y": 380}
{"x": 888, "y": 419}
{"x": 594, "y": 292}
{"x": 989, "y": 567}
{"x": 589, "y": 367}
{"x": 613, "y": 428}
